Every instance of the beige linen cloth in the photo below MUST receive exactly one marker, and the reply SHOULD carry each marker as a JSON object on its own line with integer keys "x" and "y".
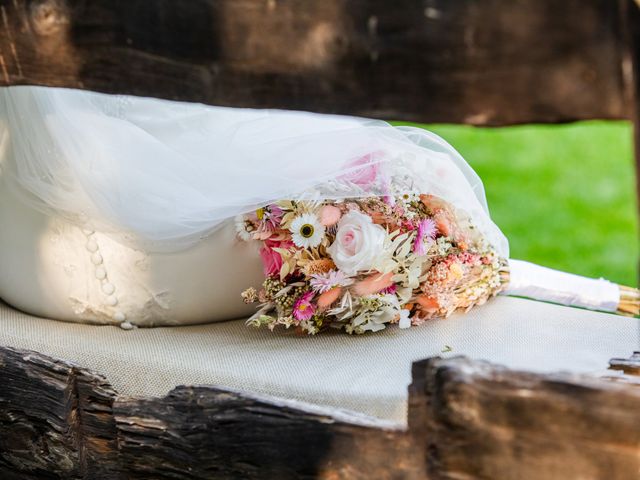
{"x": 367, "y": 374}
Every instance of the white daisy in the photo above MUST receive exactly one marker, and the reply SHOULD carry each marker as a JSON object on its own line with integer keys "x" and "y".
{"x": 307, "y": 231}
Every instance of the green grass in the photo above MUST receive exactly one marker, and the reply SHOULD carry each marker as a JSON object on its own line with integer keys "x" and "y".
{"x": 564, "y": 195}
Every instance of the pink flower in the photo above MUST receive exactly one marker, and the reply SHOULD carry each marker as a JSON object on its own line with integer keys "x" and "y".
{"x": 358, "y": 243}
{"x": 329, "y": 215}
{"x": 323, "y": 282}
{"x": 363, "y": 171}
{"x": 426, "y": 230}
{"x": 273, "y": 214}
{"x": 268, "y": 220}
{"x": 390, "y": 290}
{"x": 272, "y": 260}
{"x": 303, "y": 309}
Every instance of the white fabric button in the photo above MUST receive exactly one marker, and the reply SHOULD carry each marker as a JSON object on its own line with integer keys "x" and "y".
{"x": 92, "y": 246}
{"x": 108, "y": 288}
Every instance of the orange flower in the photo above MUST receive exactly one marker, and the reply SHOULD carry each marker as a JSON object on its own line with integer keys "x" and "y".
{"x": 373, "y": 283}
{"x": 433, "y": 203}
{"x": 327, "y": 298}
{"x": 427, "y": 302}
{"x": 443, "y": 222}
{"x": 378, "y": 218}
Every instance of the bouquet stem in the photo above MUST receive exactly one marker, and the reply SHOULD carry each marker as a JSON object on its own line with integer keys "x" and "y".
{"x": 629, "y": 301}
{"x": 540, "y": 283}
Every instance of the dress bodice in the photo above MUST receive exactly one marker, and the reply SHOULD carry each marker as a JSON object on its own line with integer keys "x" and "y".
{"x": 55, "y": 269}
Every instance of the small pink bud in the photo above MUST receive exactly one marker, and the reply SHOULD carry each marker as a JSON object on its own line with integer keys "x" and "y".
{"x": 329, "y": 215}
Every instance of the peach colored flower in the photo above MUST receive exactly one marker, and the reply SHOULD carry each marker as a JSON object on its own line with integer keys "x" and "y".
{"x": 379, "y": 218}
{"x": 432, "y": 202}
{"x": 373, "y": 284}
{"x": 329, "y": 215}
{"x": 427, "y": 303}
{"x": 327, "y": 298}
{"x": 443, "y": 222}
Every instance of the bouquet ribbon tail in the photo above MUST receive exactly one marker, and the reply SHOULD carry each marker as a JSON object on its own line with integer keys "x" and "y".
{"x": 548, "y": 285}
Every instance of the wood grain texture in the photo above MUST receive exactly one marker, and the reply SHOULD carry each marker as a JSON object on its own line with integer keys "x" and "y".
{"x": 482, "y": 421}
{"x": 484, "y": 62}
{"x": 60, "y": 421}
{"x": 56, "y": 419}
{"x": 630, "y": 26}
{"x": 216, "y": 433}
{"x": 467, "y": 419}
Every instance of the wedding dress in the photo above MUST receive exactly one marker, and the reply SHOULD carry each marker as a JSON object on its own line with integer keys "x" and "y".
{"x": 117, "y": 209}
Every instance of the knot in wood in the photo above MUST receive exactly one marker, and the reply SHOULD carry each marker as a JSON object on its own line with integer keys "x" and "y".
{"x": 49, "y": 17}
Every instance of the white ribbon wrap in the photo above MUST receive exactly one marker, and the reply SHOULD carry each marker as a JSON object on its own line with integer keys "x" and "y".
{"x": 548, "y": 285}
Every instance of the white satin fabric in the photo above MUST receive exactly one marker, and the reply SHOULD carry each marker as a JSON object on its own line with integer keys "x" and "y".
{"x": 163, "y": 174}
{"x": 541, "y": 283}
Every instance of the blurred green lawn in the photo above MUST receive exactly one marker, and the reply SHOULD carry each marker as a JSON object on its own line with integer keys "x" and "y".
{"x": 564, "y": 195}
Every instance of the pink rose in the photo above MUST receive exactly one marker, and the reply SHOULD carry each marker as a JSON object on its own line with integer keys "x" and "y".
{"x": 358, "y": 243}
{"x": 272, "y": 260}
{"x": 364, "y": 170}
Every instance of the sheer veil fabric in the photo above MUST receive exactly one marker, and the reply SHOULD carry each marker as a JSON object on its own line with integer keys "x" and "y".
{"x": 161, "y": 174}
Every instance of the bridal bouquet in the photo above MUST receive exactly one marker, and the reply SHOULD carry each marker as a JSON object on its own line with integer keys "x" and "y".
{"x": 360, "y": 264}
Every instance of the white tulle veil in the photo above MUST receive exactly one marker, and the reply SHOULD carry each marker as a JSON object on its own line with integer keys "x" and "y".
{"x": 163, "y": 174}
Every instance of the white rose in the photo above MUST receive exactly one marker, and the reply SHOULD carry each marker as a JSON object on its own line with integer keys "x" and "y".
{"x": 358, "y": 243}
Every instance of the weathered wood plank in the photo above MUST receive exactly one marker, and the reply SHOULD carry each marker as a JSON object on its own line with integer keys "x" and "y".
{"x": 482, "y": 421}
{"x": 483, "y": 62}
{"x": 60, "y": 421}
{"x": 630, "y": 22}
{"x": 467, "y": 419}
{"x": 56, "y": 419}
{"x": 216, "y": 433}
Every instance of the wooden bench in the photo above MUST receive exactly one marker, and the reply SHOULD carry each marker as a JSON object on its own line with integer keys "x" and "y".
{"x": 488, "y": 62}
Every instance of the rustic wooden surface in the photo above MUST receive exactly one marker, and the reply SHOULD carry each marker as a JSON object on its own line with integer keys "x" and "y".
{"x": 56, "y": 420}
{"x": 630, "y": 22}
{"x": 467, "y": 419}
{"x": 213, "y": 433}
{"x": 483, "y": 62}
{"x": 60, "y": 421}
{"x": 481, "y": 421}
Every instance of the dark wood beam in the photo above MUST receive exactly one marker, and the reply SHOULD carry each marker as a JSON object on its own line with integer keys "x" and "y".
{"x": 484, "y": 62}
{"x": 467, "y": 419}
{"x": 483, "y": 421}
